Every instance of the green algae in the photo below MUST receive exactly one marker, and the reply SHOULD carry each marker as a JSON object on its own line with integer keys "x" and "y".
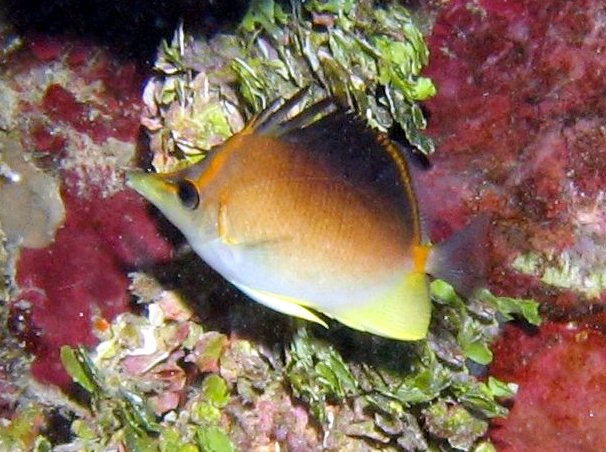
{"x": 368, "y": 57}
{"x": 510, "y": 308}
{"x": 362, "y": 390}
{"x": 565, "y": 270}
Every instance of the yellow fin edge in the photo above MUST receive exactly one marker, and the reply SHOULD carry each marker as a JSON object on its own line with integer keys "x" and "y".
{"x": 403, "y": 313}
{"x": 285, "y": 305}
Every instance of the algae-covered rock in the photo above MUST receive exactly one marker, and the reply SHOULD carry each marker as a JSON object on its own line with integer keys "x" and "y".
{"x": 368, "y": 56}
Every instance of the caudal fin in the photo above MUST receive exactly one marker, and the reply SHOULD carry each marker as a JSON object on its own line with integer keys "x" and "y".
{"x": 461, "y": 259}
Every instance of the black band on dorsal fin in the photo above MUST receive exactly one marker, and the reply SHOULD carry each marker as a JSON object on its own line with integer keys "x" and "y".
{"x": 275, "y": 120}
{"x": 304, "y": 119}
{"x": 276, "y": 112}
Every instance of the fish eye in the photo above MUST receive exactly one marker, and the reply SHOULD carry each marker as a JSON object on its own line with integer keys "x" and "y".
{"x": 188, "y": 194}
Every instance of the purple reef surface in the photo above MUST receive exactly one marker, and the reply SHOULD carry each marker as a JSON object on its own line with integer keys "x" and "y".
{"x": 561, "y": 401}
{"x": 519, "y": 129}
{"x": 80, "y": 123}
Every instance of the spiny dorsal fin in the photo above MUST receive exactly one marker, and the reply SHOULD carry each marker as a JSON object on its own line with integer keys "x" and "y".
{"x": 276, "y": 119}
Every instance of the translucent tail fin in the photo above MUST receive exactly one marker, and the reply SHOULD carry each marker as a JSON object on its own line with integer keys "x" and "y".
{"x": 461, "y": 259}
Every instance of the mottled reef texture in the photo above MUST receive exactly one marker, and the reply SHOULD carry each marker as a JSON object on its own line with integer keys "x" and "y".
{"x": 76, "y": 114}
{"x": 519, "y": 129}
{"x": 518, "y": 124}
{"x": 561, "y": 402}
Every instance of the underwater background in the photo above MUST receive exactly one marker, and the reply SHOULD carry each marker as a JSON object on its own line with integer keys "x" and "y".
{"x": 117, "y": 337}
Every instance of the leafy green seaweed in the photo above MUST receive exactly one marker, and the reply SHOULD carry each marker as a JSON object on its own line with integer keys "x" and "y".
{"x": 456, "y": 406}
{"x": 369, "y": 57}
{"x": 360, "y": 388}
{"x": 525, "y": 309}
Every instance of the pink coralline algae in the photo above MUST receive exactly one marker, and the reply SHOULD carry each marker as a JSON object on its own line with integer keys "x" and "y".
{"x": 560, "y": 405}
{"x": 108, "y": 230}
{"x": 519, "y": 127}
{"x": 82, "y": 275}
{"x": 518, "y": 123}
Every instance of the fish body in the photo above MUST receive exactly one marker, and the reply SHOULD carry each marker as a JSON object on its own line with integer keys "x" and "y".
{"x": 307, "y": 215}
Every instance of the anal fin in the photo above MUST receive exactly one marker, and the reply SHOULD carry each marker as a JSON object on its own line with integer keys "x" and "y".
{"x": 403, "y": 313}
{"x": 285, "y": 305}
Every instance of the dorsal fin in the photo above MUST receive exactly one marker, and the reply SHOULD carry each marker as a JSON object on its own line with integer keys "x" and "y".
{"x": 343, "y": 144}
{"x": 276, "y": 119}
{"x": 305, "y": 118}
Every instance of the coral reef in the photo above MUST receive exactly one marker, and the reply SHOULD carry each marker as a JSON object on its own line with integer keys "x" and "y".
{"x": 518, "y": 125}
{"x": 517, "y": 121}
{"x": 160, "y": 380}
{"x": 192, "y": 369}
{"x": 81, "y": 277}
{"x": 369, "y": 58}
{"x": 561, "y": 400}
{"x": 78, "y": 122}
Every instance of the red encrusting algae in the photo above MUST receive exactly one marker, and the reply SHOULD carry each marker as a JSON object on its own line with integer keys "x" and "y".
{"x": 518, "y": 123}
{"x": 83, "y": 274}
{"x": 81, "y": 278}
{"x": 561, "y": 402}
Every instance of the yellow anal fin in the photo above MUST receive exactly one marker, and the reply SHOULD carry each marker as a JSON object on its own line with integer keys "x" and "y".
{"x": 403, "y": 313}
{"x": 285, "y": 305}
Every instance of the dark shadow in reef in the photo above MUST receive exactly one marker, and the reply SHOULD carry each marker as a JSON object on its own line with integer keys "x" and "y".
{"x": 132, "y": 29}
{"x": 57, "y": 428}
{"x": 376, "y": 352}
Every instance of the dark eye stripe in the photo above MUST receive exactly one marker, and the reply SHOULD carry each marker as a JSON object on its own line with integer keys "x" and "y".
{"x": 188, "y": 194}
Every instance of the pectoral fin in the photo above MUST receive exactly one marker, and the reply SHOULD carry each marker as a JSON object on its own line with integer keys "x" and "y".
{"x": 403, "y": 313}
{"x": 285, "y": 305}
